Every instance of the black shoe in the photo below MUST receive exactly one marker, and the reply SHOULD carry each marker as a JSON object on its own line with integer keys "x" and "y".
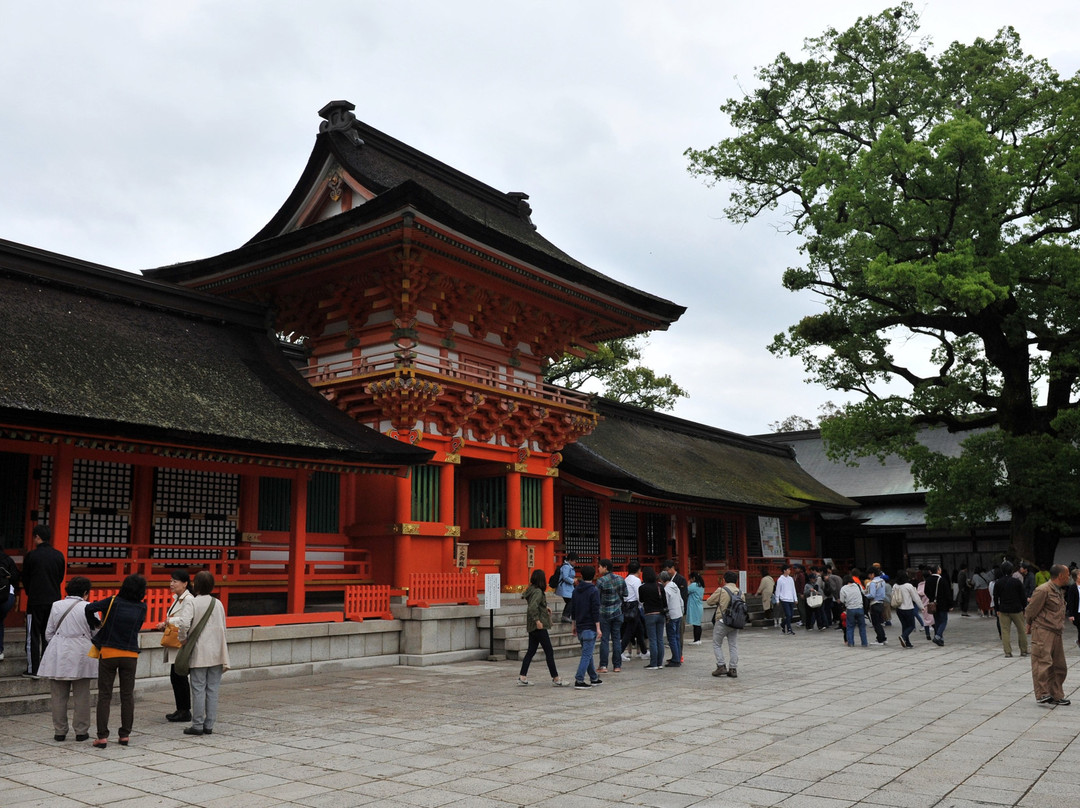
{"x": 207, "y": 731}
{"x": 192, "y": 731}
{"x": 1045, "y": 699}
{"x": 672, "y": 664}
{"x": 939, "y": 642}
{"x": 733, "y": 673}
{"x": 1062, "y": 702}
{"x": 179, "y": 715}
{"x": 596, "y": 682}
{"x": 85, "y": 737}
{"x": 576, "y": 684}
{"x": 58, "y": 737}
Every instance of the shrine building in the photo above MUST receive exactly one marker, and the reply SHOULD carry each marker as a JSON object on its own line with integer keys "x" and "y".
{"x": 356, "y": 396}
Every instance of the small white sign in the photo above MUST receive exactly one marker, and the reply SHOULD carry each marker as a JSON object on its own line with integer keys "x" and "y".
{"x": 492, "y": 590}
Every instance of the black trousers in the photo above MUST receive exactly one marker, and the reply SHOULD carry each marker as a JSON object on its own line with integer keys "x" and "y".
{"x": 37, "y": 619}
{"x": 877, "y": 619}
{"x": 181, "y": 690}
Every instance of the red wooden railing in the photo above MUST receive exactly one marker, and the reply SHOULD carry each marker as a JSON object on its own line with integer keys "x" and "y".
{"x": 426, "y": 588}
{"x": 367, "y": 601}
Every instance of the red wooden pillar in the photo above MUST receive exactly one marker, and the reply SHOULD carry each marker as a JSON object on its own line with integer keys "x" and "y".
{"x": 404, "y": 563}
{"x": 515, "y": 573}
{"x": 297, "y": 543}
{"x": 60, "y": 515}
{"x": 604, "y": 544}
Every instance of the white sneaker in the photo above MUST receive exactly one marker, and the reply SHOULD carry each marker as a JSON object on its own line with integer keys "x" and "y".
{"x": 1, "y": 656}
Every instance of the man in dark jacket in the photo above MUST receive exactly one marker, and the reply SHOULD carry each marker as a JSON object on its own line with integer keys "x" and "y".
{"x": 939, "y": 592}
{"x": 1009, "y": 603}
{"x": 43, "y": 572}
{"x": 586, "y": 606}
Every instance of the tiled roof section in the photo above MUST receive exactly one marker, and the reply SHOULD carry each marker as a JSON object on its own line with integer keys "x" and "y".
{"x": 87, "y": 348}
{"x": 660, "y": 456}
{"x": 388, "y": 167}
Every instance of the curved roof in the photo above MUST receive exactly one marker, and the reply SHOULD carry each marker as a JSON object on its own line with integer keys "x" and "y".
{"x": 657, "y": 455}
{"x": 402, "y": 177}
{"x": 96, "y": 350}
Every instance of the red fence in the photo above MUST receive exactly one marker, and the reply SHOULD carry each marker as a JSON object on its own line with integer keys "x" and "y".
{"x": 367, "y": 601}
{"x": 426, "y": 588}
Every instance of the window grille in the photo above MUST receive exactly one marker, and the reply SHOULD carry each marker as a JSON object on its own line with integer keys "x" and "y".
{"x": 656, "y": 534}
{"x": 798, "y": 535}
{"x": 487, "y": 502}
{"x": 720, "y": 539}
{"x": 581, "y": 526}
{"x": 425, "y": 493}
{"x": 100, "y": 509}
{"x": 323, "y": 502}
{"x": 532, "y": 501}
{"x": 44, "y": 477}
{"x": 624, "y": 534}
{"x": 275, "y": 505}
{"x": 197, "y": 510}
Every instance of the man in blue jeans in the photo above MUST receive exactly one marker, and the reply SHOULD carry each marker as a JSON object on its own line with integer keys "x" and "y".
{"x": 612, "y": 592}
{"x": 674, "y": 621}
{"x": 585, "y": 605}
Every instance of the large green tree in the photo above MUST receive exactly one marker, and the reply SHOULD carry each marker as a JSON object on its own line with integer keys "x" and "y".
{"x": 615, "y": 367}
{"x": 937, "y": 199}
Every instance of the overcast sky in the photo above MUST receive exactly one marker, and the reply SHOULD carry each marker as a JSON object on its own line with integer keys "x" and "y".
{"x": 138, "y": 134}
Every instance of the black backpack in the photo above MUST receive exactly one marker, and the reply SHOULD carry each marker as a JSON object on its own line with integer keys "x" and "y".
{"x": 736, "y": 615}
{"x": 553, "y": 581}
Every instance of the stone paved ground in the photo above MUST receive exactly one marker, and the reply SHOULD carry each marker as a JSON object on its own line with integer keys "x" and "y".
{"x": 808, "y": 723}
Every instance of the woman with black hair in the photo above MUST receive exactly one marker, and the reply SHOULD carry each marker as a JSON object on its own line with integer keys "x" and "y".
{"x": 538, "y": 622}
{"x": 118, "y": 640}
{"x": 179, "y": 615}
{"x": 654, "y": 606}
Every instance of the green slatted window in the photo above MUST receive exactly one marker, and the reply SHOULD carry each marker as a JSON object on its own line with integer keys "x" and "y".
{"x": 323, "y": 502}
{"x": 487, "y": 502}
{"x": 425, "y": 493}
{"x": 275, "y": 494}
{"x": 532, "y": 501}
{"x": 799, "y": 536}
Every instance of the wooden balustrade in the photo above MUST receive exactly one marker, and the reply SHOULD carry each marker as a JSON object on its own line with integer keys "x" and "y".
{"x": 367, "y": 601}
{"x": 426, "y": 588}
{"x": 157, "y": 602}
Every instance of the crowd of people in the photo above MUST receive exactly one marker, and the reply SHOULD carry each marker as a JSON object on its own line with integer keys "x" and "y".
{"x": 643, "y": 610}
{"x": 71, "y": 642}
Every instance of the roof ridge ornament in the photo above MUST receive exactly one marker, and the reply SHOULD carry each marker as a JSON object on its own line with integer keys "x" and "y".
{"x": 339, "y": 117}
{"x": 524, "y": 209}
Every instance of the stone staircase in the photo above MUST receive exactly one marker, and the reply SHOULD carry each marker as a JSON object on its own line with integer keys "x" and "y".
{"x": 760, "y": 615}
{"x": 20, "y": 694}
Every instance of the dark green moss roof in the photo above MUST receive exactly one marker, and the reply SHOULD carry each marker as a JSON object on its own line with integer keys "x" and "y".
{"x": 661, "y": 456}
{"x": 90, "y": 349}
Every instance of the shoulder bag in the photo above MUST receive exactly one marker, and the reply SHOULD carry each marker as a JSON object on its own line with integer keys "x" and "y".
{"x": 95, "y": 649}
{"x": 183, "y": 659}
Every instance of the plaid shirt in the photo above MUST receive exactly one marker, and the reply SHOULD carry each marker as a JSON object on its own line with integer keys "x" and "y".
{"x": 612, "y": 592}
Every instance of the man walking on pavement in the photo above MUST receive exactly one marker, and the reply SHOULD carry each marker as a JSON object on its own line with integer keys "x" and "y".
{"x": 1045, "y": 617}
{"x": 586, "y": 607}
{"x": 612, "y": 592}
{"x": 43, "y": 571}
{"x": 721, "y": 599}
{"x": 875, "y": 591}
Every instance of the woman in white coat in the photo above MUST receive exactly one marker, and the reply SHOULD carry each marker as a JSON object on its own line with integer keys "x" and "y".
{"x": 65, "y": 660}
{"x": 209, "y": 656}
{"x": 179, "y": 615}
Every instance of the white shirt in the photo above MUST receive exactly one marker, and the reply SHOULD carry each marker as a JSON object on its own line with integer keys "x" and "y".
{"x": 785, "y": 589}
{"x": 674, "y": 600}
{"x": 633, "y": 584}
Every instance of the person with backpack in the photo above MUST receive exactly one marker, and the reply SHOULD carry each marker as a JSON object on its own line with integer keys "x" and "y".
{"x": 728, "y": 600}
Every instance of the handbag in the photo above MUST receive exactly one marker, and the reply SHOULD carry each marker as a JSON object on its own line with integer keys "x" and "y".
{"x": 95, "y": 649}
{"x": 170, "y": 638}
{"x": 182, "y": 664}
{"x": 814, "y": 600}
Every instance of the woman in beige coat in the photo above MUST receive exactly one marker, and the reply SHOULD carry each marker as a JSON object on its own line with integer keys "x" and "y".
{"x": 209, "y": 656}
